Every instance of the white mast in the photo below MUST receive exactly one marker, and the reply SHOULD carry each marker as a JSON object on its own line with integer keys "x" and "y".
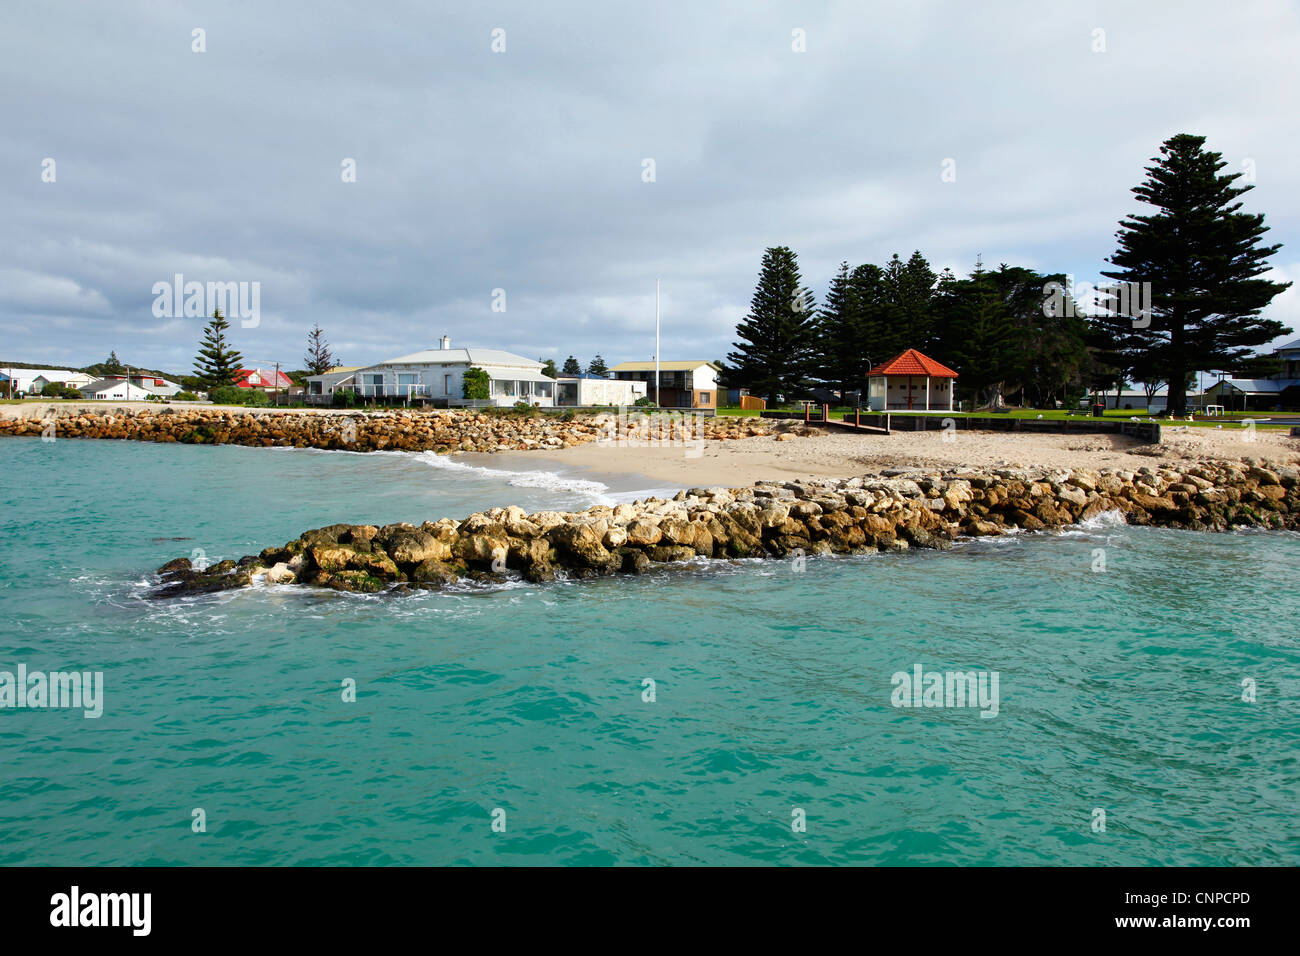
{"x": 657, "y": 343}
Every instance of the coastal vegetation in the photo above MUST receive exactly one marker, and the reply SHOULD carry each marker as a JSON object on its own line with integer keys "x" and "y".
{"x": 1196, "y": 255}
{"x": 217, "y": 363}
{"x": 1203, "y": 258}
{"x": 319, "y": 359}
{"x": 476, "y": 384}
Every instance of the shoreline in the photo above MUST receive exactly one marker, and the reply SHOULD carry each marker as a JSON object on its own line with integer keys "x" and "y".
{"x": 733, "y": 451}
{"x": 839, "y": 455}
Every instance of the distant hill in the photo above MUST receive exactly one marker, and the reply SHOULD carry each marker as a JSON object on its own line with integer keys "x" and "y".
{"x": 97, "y": 370}
{"x": 66, "y": 368}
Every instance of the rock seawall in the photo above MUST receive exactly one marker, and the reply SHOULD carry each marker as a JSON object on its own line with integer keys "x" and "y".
{"x": 855, "y": 515}
{"x": 441, "y": 431}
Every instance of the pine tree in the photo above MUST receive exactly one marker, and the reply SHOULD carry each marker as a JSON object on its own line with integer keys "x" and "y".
{"x": 216, "y": 363}
{"x": 983, "y": 341}
{"x": 916, "y": 302}
{"x": 112, "y": 365}
{"x": 319, "y": 359}
{"x": 1050, "y": 352}
{"x": 1200, "y": 254}
{"x": 777, "y": 343}
{"x": 839, "y": 328}
{"x": 548, "y": 368}
{"x": 875, "y": 341}
{"x": 571, "y": 366}
{"x": 598, "y": 366}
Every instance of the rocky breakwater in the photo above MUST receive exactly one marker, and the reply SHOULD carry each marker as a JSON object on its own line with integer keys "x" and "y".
{"x": 441, "y": 431}
{"x": 856, "y": 515}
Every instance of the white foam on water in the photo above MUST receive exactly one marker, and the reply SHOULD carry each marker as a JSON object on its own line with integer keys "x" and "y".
{"x": 1107, "y": 519}
{"x": 627, "y": 497}
{"x": 1096, "y": 526}
{"x": 547, "y": 480}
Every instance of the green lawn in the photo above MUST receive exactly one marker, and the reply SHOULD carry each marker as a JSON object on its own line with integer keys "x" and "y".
{"x": 1053, "y": 414}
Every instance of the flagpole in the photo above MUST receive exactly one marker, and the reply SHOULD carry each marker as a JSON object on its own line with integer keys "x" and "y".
{"x": 657, "y": 343}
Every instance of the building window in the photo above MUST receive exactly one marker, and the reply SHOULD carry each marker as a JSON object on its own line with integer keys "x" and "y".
{"x": 542, "y": 389}
{"x": 446, "y": 385}
{"x": 705, "y": 398}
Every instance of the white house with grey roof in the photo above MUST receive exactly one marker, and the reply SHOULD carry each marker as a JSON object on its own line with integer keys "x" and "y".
{"x": 1274, "y": 393}
{"x": 438, "y": 375}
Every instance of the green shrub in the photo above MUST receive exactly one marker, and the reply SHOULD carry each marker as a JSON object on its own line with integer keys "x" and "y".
{"x": 185, "y": 397}
{"x": 645, "y": 401}
{"x": 477, "y": 384}
{"x": 231, "y": 395}
{"x": 57, "y": 390}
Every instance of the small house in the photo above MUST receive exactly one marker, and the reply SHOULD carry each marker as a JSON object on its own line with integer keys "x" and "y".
{"x": 268, "y": 380}
{"x": 682, "y": 384}
{"x": 911, "y": 382}
{"x": 115, "y": 389}
{"x": 587, "y": 389}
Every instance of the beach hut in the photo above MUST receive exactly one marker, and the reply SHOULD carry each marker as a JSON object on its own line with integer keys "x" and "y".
{"x": 911, "y": 381}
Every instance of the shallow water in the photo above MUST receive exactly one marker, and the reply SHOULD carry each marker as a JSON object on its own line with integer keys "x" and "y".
{"x": 1119, "y": 690}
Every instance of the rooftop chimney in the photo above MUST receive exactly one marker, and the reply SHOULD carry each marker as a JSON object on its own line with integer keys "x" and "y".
{"x": 445, "y": 343}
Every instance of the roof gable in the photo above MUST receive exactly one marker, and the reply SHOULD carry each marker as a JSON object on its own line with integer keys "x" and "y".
{"x": 462, "y": 357}
{"x": 912, "y": 362}
{"x": 680, "y": 366}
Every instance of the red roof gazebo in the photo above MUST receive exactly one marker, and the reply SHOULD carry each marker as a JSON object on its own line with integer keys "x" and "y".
{"x": 911, "y": 381}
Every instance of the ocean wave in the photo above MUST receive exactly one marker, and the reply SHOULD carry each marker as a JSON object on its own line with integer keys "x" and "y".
{"x": 547, "y": 480}
{"x": 1107, "y": 519}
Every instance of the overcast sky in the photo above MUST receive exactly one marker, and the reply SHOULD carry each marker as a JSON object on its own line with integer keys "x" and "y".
{"x": 523, "y": 170}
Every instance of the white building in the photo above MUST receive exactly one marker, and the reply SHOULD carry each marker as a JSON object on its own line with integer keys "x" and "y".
{"x": 911, "y": 382}
{"x": 438, "y": 375}
{"x": 588, "y": 390}
{"x": 116, "y": 389}
{"x": 321, "y": 388}
{"x": 688, "y": 384}
{"x": 60, "y": 377}
{"x": 28, "y": 380}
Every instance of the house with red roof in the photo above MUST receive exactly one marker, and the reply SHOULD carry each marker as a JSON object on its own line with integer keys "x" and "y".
{"x": 911, "y": 382}
{"x": 268, "y": 380}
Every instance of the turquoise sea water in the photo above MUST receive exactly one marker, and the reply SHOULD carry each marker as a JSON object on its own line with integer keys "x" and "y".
{"x": 1119, "y": 690}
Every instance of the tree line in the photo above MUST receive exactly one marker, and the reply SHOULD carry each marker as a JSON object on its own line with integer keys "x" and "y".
{"x": 1017, "y": 334}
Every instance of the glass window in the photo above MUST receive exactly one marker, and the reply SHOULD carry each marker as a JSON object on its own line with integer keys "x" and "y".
{"x": 542, "y": 389}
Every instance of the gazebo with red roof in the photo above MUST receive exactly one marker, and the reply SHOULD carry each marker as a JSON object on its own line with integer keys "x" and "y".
{"x": 911, "y": 382}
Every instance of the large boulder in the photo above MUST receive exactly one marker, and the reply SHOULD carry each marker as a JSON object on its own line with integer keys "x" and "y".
{"x": 432, "y": 572}
{"x": 413, "y": 547}
{"x": 643, "y": 533}
{"x": 583, "y": 542}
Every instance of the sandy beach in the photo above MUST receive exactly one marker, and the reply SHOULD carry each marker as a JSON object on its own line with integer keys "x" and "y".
{"x": 836, "y": 455}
